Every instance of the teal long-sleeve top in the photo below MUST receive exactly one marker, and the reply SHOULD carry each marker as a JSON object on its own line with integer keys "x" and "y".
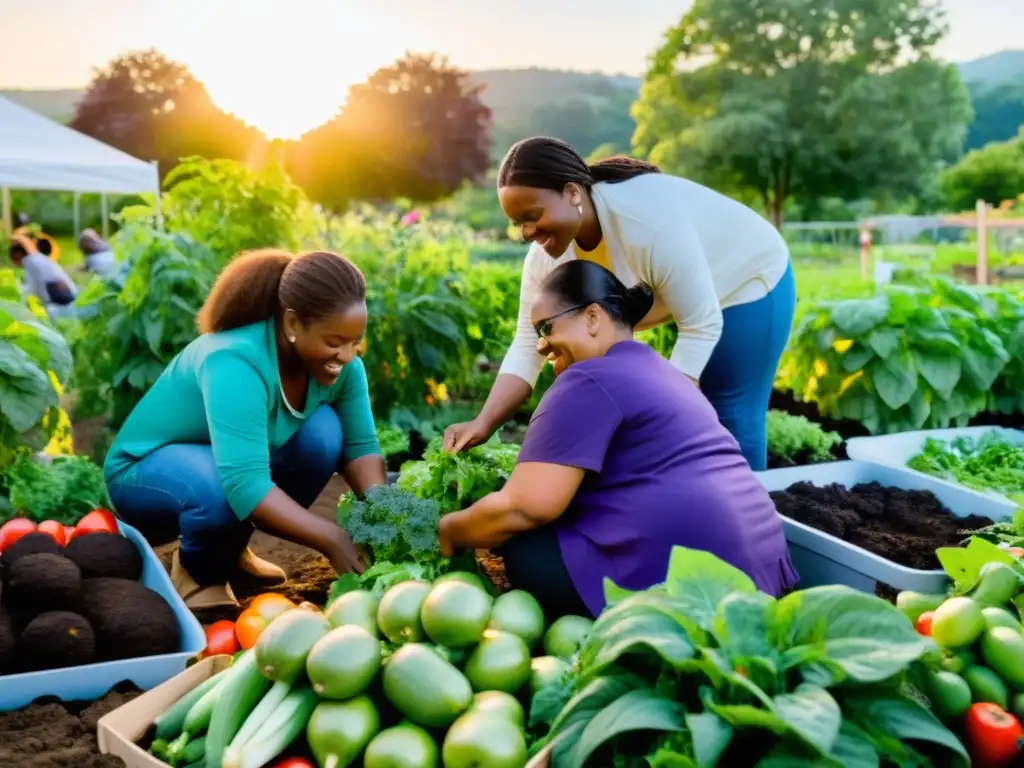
{"x": 224, "y": 390}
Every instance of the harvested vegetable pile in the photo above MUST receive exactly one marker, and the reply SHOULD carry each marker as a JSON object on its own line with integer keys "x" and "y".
{"x": 905, "y": 527}
{"x": 990, "y": 463}
{"x": 64, "y": 606}
{"x": 420, "y": 674}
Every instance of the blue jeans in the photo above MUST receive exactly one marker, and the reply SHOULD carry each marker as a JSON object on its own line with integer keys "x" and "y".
{"x": 739, "y": 376}
{"x": 175, "y": 492}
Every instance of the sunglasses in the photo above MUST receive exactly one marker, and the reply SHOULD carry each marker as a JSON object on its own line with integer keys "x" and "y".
{"x": 543, "y": 328}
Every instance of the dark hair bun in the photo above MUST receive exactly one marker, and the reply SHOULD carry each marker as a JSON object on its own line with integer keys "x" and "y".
{"x": 637, "y": 303}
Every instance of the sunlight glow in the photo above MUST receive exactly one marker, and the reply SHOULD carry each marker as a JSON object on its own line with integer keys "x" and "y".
{"x": 284, "y": 68}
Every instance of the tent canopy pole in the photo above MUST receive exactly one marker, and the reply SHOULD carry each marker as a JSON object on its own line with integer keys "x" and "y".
{"x": 5, "y": 210}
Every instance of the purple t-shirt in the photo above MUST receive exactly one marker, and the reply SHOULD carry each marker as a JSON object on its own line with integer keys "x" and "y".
{"x": 661, "y": 471}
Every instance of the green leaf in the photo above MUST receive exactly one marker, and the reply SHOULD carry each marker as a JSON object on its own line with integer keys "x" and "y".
{"x": 741, "y": 625}
{"x": 698, "y": 581}
{"x": 853, "y": 748}
{"x": 650, "y": 631}
{"x": 895, "y": 379}
{"x": 856, "y": 357}
{"x": 594, "y": 697}
{"x": 25, "y": 390}
{"x": 613, "y": 593}
{"x": 710, "y": 735}
{"x": 865, "y": 635}
{"x": 640, "y": 710}
{"x": 885, "y": 340}
{"x": 981, "y": 369}
{"x": 812, "y": 713}
{"x": 855, "y": 317}
{"x": 942, "y": 372}
{"x": 902, "y": 719}
{"x": 963, "y": 564}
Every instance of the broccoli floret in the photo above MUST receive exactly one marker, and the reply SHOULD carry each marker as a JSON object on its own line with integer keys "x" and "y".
{"x": 394, "y": 524}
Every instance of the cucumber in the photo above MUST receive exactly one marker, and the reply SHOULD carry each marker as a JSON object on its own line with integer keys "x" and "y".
{"x": 279, "y": 730}
{"x": 171, "y": 722}
{"x": 235, "y": 701}
{"x": 195, "y": 750}
{"x": 267, "y": 706}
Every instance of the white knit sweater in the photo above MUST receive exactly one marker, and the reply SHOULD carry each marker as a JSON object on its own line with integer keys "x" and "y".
{"x": 700, "y": 251}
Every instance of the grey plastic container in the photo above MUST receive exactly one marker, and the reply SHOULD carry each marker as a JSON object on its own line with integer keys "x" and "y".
{"x": 896, "y": 450}
{"x": 89, "y": 682}
{"x": 821, "y": 558}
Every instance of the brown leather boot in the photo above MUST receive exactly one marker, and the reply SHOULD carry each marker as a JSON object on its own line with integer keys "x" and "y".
{"x": 259, "y": 569}
{"x": 195, "y": 596}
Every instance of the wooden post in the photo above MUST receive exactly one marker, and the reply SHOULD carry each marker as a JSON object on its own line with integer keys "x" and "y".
{"x": 982, "y": 268}
{"x": 5, "y": 211}
{"x": 865, "y": 252}
{"x": 105, "y": 215}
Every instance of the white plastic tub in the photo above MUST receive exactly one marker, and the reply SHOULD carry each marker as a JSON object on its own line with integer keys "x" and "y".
{"x": 92, "y": 681}
{"x": 821, "y": 558}
{"x": 896, "y": 450}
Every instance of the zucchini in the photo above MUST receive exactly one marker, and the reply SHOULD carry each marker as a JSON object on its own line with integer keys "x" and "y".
{"x": 279, "y": 730}
{"x": 198, "y": 718}
{"x": 176, "y": 749}
{"x": 235, "y": 701}
{"x": 171, "y": 723}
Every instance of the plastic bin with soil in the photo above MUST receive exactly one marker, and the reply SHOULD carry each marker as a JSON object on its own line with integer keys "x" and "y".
{"x": 903, "y": 526}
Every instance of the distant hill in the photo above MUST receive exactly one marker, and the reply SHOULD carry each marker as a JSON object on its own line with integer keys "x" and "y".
{"x": 591, "y": 109}
{"x": 1003, "y": 68}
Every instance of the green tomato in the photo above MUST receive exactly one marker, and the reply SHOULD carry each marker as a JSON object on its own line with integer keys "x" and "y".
{"x": 950, "y": 694}
{"x": 958, "y": 623}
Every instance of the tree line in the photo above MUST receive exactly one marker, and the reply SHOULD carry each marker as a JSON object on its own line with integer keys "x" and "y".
{"x": 786, "y": 105}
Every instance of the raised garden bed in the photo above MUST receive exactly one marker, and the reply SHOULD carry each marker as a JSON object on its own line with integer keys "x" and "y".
{"x": 839, "y": 534}
{"x": 903, "y": 526}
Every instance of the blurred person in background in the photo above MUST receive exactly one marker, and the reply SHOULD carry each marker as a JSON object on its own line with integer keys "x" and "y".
{"x": 44, "y": 277}
{"x": 98, "y": 258}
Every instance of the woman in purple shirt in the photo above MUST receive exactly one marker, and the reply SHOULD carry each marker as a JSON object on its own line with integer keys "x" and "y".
{"x": 624, "y": 459}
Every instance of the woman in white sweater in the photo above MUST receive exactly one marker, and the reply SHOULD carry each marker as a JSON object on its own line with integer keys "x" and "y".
{"x": 719, "y": 270}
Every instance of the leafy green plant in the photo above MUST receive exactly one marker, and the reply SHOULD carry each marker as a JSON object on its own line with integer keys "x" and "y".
{"x": 63, "y": 489}
{"x": 704, "y": 670}
{"x": 229, "y": 208}
{"x": 457, "y": 480}
{"x": 132, "y": 327}
{"x": 35, "y": 364}
{"x": 392, "y": 440}
{"x": 793, "y": 438}
{"x": 910, "y": 358}
{"x": 397, "y": 533}
{"x": 990, "y": 463}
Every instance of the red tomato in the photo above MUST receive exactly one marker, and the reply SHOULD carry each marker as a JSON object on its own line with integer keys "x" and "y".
{"x": 55, "y": 529}
{"x": 220, "y": 638}
{"x": 294, "y": 762}
{"x": 97, "y": 521}
{"x": 994, "y": 736}
{"x": 13, "y": 530}
{"x": 68, "y": 531}
{"x": 924, "y": 623}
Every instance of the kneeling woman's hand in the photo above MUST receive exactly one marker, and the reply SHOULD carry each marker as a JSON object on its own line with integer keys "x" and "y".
{"x": 344, "y": 556}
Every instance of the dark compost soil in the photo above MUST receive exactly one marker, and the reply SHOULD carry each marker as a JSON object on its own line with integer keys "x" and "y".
{"x": 54, "y": 734}
{"x": 905, "y": 527}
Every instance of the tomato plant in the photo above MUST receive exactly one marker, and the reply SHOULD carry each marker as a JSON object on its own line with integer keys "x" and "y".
{"x": 924, "y": 623}
{"x": 13, "y": 530}
{"x": 993, "y": 735}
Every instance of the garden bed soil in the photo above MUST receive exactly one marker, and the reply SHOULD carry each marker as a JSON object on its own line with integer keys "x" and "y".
{"x": 905, "y": 527}
{"x": 54, "y": 734}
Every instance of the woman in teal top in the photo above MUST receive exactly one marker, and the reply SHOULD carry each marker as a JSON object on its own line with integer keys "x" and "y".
{"x": 245, "y": 427}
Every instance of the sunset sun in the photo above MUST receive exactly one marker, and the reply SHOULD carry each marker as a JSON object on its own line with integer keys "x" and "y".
{"x": 281, "y": 73}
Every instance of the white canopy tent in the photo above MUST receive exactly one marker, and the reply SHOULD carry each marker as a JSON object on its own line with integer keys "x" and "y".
{"x": 38, "y": 153}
